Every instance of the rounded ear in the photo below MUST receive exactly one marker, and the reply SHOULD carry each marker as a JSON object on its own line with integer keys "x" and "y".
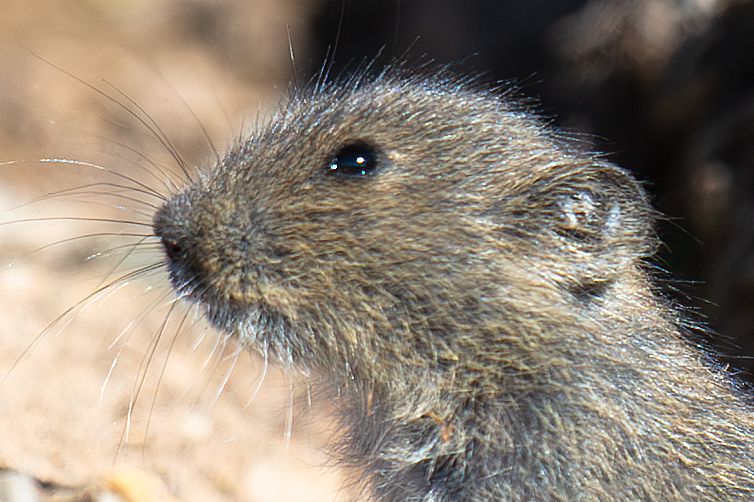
{"x": 604, "y": 224}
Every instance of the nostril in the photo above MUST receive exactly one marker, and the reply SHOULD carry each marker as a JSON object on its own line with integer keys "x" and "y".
{"x": 173, "y": 248}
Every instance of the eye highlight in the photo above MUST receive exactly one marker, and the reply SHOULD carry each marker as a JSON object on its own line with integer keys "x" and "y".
{"x": 354, "y": 159}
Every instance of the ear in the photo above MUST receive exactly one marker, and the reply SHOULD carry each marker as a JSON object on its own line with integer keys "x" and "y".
{"x": 604, "y": 225}
{"x": 603, "y": 206}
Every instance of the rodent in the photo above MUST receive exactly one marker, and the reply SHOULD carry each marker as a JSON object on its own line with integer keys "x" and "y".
{"x": 475, "y": 286}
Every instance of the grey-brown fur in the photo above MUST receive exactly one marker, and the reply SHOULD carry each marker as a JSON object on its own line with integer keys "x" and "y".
{"x": 480, "y": 300}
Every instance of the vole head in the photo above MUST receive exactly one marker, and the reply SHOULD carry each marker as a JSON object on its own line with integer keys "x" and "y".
{"x": 395, "y": 219}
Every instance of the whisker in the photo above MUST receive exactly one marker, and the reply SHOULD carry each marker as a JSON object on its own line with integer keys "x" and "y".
{"x": 197, "y": 121}
{"x": 81, "y": 163}
{"x": 80, "y": 305}
{"x": 214, "y": 356}
{"x": 337, "y": 41}
{"x": 144, "y": 188}
{"x": 68, "y": 194}
{"x": 76, "y": 218}
{"x": 309, "y": 392}
{"x": 132, "y": 248}
{"x": 289, "y": 414}
{"x": 226, "y": 376}
{"x": 290, "y": 51}
{"x": 131, "y": 328}
{"x": 149, "y": 172}
{"x": 152, "y": 127}
{"x": 141, "y": 378}
{"x": 110, "y": 373}
{"x": 140, "y": 245}
{"x": 164, "y": 364}
{"x": 148, "y": 123}
{"x": 143, "y": 237}
{"x": 200, "y": 339}
{"x": 260, "y": 379}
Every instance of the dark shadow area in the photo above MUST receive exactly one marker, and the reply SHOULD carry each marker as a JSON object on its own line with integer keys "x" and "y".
{"x": 666, "y": 88}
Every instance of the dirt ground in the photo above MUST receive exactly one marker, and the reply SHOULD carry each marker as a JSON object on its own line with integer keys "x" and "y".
{"x": 72, "y": 401}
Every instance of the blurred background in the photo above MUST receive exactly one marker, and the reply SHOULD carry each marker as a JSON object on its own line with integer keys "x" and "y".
{"x": 664, "y": 87}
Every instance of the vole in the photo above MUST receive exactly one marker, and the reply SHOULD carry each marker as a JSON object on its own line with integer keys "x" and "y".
{"x": 475, "y": 286}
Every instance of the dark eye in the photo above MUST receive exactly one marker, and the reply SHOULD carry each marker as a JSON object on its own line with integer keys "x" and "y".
{"x": 354, "y": 159}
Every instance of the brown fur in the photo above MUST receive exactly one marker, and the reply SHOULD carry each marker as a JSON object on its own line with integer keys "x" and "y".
{"x": 480, "y": 299}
